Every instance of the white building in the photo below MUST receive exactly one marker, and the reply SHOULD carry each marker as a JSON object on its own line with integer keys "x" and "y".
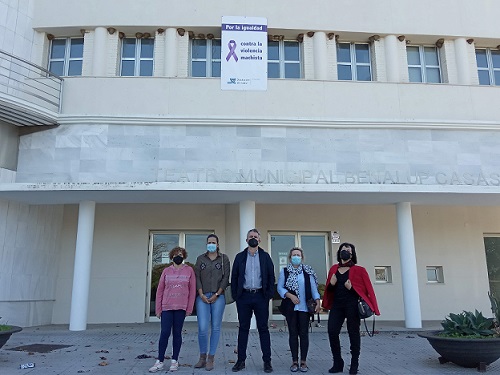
{"x": 380, "y": 122}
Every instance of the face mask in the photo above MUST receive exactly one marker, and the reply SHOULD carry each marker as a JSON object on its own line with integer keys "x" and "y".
{"x": 345, "y": 255}
{"x": 211, "y": 247}
{"x": 252, "y": 242}
{"x": 178, "y": 259}
{"x": 296, "y": 260}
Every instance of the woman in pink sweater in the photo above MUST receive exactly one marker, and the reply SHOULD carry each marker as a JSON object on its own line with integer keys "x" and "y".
{"x": 174, "y": 301}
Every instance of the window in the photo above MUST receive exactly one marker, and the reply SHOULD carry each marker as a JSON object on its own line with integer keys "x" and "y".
{"x": 383, "y": 274}
{"x": 435, "y": 274}
{"x": 488, "y": 66}
{"x": 205, "y": 57}
{"x": 137, "y": 57}
{"x": 423, "y": 64}
{"x": 283, "y": 60}
{"x": 353, "y": 62}
{"x": 66, "y": 56}
{"x": 492, "y": 248}
{"x": 160, "y": 244}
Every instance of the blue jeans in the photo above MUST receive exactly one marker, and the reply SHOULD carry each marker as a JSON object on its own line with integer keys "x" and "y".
{"x": 171, "y": 321}
{"x": 209, "y": 313}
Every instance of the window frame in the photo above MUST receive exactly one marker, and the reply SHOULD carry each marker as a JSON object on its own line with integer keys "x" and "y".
{"x": 67, "y": 59}
{"x": 282, "y": 62}
{"x": 438, "y": 271}
{"x": 208, "y": 58}
{"x": 353, "y": 63}
{"x": 138, "y": 59}
{"x": 423, "y": 64}
{"x": 387, "y": 274}
{"x": 490, "y": 68}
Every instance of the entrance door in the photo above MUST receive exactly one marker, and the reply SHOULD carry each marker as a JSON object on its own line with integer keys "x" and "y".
{"x": 160, "y": 244}
{"x": 492, "y": 247}
{"x": 316, "y": 251}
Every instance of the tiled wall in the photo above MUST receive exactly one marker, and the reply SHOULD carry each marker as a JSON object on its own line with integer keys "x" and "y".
{"x": 29, "y": 259}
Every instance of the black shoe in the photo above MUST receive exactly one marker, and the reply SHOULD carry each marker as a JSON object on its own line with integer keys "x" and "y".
{"x": 338, "y": 366}
{"x": 238, "y": 366}
{"x": 268, "y": 367}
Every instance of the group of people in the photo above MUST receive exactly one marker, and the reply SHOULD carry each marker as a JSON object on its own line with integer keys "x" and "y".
{"x": 252, "y": 286}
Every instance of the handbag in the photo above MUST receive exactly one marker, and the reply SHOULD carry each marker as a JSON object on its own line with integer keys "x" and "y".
{"x": 286, "y": 307}
{"x": 228, "y": 293}
{"x": 311, "y": 306}
{"x": 364, "y": 310}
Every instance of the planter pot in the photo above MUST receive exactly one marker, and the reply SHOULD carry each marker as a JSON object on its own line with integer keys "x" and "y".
{"x": 5, "y": 335}
{"x": 464, "y": 352}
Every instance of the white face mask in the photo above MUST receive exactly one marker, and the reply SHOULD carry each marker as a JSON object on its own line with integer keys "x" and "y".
{"x": 211, "y": 247}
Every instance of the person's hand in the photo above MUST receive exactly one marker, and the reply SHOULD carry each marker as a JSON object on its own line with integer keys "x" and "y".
{"x": 348, "y": 284}
{"x": 204, "y": 298}
{"x": 333, "y": 280}
{"x": 212, "y": 299}
{"x": 294, "y": 298}
{"x": 318, "y": 307}
{"x": 188, "y": 313}
{"x": 158, "y": 315}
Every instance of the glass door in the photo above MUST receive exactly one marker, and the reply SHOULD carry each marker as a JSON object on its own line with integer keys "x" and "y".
{"x": 160, "y": 244}
{"x": 492, "y": 247}
{"x": 315, "y": 247}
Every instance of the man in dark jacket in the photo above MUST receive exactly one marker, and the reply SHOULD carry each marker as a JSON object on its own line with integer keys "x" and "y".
{"x": 252, "y": 286}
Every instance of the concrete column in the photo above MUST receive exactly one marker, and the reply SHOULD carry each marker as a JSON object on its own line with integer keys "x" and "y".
{"x": 83, "y": 258}
{"x": 411, "y": 297}
{"x": 391, "y": 58}
{"x": 462, "y": 59}
{"x": 171, "y": 52}
{"x": 100, "y": 50}
{"x": 247, "y": 222}
{"x": 320, "y": 55}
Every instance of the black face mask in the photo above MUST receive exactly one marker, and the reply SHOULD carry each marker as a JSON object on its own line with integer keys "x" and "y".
{"x": 345, "y": 255}
{"x": 178, "y": 259}
{"x": 252, "y": 242}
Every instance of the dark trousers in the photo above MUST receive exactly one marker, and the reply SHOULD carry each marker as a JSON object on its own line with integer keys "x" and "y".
{"x": 171, "y": 321}
{"x": 248, "y": 304}
{"x": 336, "y": 320}
{"x": 298, "y": 326}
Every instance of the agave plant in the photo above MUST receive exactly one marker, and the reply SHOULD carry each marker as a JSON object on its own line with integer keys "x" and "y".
{"x": 495, "y": 309}
{"x": 468, "y": 324}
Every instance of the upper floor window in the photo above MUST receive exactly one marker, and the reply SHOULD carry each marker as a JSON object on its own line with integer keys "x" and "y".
{"x": 66, "y": 56}
{"x": 423, "y": 64}
{"x": 488, "y": 66}
{"x": 283, "y": 59}
{"x": 205, "y": 57}
{"x": 353, "y": 62}
{"x": 137, "y": 57}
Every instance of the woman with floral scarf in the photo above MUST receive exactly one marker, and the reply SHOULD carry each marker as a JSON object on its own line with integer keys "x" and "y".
{"x": 298, "y": 283}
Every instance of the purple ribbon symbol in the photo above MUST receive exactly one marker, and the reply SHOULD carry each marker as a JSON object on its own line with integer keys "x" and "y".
{"x": 232, "y": 47}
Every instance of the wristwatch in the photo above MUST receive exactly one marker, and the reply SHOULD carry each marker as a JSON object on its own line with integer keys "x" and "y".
{"x": 217, "y": 294}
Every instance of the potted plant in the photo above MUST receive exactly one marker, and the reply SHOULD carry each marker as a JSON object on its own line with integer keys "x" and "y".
{"x": 6, "y": 331}
{"x": 468, "y": 339}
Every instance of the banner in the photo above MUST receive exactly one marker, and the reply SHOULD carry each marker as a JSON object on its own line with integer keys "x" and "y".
{"x": 244, "y": 53}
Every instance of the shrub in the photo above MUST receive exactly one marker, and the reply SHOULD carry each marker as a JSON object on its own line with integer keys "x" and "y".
{"x": 468, "y": 325}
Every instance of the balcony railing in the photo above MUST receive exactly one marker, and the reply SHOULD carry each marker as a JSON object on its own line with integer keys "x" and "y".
{"x": 29, "y": 87}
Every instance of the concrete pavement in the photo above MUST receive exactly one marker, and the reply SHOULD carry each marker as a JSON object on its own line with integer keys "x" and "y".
{"x": 121, "y": 348}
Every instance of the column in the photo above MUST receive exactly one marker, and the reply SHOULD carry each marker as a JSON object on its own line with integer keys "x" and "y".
{"x": 247, "y": 222}
{"x": 100, "y": 57}
{"x": 391, "y": 58}
{"x": 411, "y": 297}
{"x": 461, "y": 56}
{"x": 83, "y": 258}
{"x": 171, "y": 52}
{"x": 320, "y": 55}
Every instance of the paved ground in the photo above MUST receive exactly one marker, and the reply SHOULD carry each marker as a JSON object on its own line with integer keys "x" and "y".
{"x": 118, "y": 348}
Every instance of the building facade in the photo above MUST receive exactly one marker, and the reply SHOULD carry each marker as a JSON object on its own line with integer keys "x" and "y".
{"x": 379, "y": 126}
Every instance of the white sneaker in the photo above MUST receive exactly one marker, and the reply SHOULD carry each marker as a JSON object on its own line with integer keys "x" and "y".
{"x": 156, "y": 367}
{"x": 174, "y": 366}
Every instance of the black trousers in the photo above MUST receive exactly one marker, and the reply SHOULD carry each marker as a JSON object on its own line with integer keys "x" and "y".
{"x": 336, "y": 319}
{"x": 298, "y": 327}
{"x": 246, "y": 305}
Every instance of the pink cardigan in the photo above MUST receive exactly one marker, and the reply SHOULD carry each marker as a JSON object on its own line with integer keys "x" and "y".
{"x": 176, "y": 289}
